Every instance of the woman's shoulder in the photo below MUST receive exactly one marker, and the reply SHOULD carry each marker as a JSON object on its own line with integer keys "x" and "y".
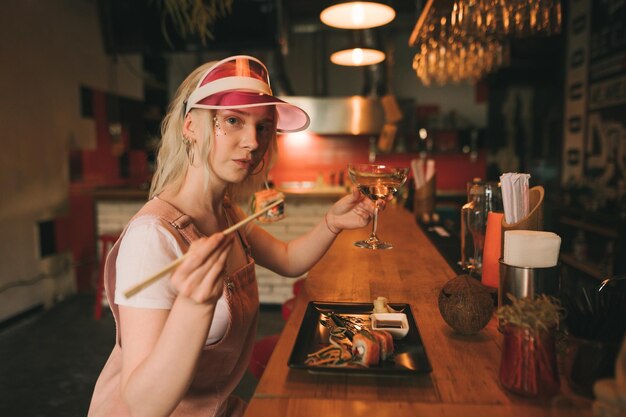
{"x": 159, "y": 208}
{"x": 148, "y": 245}
{"x": 148, "y": 220}
{"x": 151, "y": 227}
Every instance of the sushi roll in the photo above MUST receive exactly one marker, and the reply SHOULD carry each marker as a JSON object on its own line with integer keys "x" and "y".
{"x": 263, "y": 199}
{"x": 385, "y": 340}
{"x": 366, "y": 348}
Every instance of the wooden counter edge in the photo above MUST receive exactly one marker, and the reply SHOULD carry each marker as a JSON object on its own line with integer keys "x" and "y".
{"x": 315, "y": 407}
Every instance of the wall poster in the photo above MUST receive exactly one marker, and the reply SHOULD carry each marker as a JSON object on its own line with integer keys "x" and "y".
{"x": 595, "y": 96}
{"x": 575, "y": 111}
{"x": 605, "y": 142}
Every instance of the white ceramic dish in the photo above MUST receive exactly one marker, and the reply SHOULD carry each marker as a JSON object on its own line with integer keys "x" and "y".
{"x": 394, "y": 323}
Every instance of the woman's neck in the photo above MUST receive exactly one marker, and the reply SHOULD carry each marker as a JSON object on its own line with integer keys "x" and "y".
{"x": 206, "y": 210}
{"x": 203, "y": 205}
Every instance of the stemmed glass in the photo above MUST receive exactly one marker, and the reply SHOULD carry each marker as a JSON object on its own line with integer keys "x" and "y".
{"x": 377, "y": 182}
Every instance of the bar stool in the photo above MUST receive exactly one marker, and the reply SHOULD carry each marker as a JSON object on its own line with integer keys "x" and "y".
{"x": 106, "y": 241}
{"x": 287, "y": 306}
{"x": 297, "y": 286}
{"x": 261, "y": 353}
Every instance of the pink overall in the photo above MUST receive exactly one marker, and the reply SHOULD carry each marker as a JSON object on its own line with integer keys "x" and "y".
{"x": 222, "y": 364}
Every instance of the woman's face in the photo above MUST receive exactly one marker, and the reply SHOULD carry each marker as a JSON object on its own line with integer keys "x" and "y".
{"x": 242, "y": 137}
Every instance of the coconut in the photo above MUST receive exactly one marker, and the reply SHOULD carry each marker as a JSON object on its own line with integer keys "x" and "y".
{"x": 465, "y": 304}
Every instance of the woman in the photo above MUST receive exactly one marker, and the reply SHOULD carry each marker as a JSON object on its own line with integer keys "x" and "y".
{"x": 184, "y": 343}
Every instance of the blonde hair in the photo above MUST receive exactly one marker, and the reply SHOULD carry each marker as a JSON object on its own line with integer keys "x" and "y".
{"x": 172, "y": 159}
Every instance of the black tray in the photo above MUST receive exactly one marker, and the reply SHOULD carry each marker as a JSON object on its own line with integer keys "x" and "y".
{"x": 409, "y": 356}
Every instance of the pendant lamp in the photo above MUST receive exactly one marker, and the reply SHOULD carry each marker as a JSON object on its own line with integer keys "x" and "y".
{"x": 357, "y": 57}
{"x": 357, "y": 15}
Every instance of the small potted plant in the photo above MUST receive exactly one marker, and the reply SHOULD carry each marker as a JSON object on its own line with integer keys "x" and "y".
{"x": 528, "y": 366}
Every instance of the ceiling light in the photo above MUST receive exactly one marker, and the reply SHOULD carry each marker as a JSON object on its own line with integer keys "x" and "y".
{"x": 357, "y": 57}
{"x": 357, "y": 15}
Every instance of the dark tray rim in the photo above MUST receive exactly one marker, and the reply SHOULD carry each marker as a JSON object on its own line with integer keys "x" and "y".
{"x": 411, "y": 343}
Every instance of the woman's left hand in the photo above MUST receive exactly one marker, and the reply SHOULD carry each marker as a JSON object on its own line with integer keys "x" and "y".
{"x": 351, "y": 212}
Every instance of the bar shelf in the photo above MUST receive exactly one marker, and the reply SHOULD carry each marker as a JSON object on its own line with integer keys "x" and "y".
{"x": 588, "y": 268}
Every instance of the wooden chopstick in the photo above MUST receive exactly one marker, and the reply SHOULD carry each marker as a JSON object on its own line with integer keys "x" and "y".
{"x": 154, "y": 278}
{"x": 173, "y": 265}
{"x": 252, "y": 217}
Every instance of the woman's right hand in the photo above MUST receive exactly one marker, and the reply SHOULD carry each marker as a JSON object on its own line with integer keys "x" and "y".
{"x": 351, "y": 212}
{"x": 199, "y": 277}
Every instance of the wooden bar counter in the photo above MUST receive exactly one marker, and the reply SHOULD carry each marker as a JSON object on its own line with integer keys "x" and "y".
{"x": 464, "y": 377}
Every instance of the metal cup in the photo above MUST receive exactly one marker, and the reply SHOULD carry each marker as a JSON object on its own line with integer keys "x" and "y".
{"x": 527, "y": 282}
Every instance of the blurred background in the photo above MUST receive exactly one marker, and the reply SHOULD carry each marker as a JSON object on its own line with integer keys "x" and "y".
{"x": 85, "y": 84}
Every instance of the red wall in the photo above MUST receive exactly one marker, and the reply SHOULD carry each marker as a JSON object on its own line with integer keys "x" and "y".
{"x": 303, "y": 156}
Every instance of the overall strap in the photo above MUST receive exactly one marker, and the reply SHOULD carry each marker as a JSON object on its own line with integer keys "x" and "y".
{"x": 180, "y": 221}
{"x": 232, "y": 216}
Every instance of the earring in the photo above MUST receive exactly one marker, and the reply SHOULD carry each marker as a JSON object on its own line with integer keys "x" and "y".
{"x": 190, "y": 148}
{"x": 262, "y": 164}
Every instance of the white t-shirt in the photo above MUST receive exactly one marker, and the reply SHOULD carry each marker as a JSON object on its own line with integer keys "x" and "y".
{"x": 147, "y": 247}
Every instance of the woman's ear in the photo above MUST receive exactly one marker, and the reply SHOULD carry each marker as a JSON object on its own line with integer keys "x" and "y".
{"x": 188, "y": 126}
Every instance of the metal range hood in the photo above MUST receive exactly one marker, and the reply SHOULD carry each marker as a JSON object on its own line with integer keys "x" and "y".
{"x": 356, "y": 115}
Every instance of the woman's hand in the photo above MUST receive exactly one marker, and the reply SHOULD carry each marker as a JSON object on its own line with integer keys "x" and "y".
{"x": 351, "y": 212}
{"x": 199, "y": 277}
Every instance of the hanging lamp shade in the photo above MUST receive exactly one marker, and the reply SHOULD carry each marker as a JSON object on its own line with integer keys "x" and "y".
{"x": 357, "y": 57}
{"x": 357, "y": 15}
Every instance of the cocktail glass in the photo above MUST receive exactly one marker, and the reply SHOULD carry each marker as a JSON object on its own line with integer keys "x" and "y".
{"x": 378, "y": 183}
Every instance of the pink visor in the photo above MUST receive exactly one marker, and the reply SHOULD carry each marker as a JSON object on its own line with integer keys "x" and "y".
{"x": 243, "y": 81}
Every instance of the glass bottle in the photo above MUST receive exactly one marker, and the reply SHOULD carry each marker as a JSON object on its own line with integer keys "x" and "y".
{"x": 466, "y": 250}
{"x": 483, "y": 197}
